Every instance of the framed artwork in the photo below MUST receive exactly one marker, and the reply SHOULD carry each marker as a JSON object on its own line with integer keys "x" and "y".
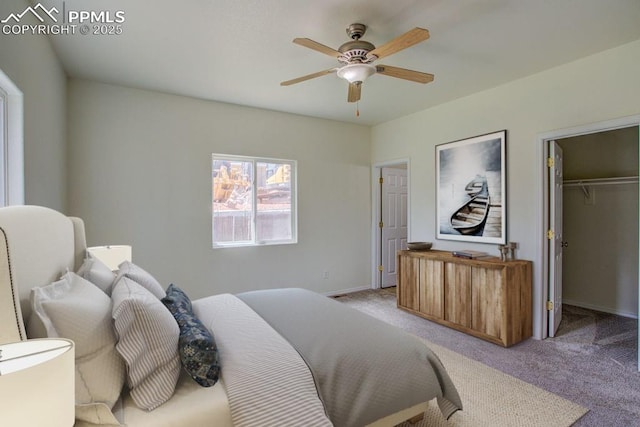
{"x": 471, "y": 189}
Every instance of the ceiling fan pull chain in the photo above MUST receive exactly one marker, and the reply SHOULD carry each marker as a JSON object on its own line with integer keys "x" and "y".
{"x": 357, "y": 108}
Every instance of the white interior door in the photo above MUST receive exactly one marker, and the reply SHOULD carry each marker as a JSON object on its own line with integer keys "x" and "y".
{"x": 394, "y": 221}
{"x": 555, "y": 237}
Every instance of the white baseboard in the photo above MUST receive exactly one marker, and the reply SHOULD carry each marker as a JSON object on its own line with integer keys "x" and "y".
{"x": 600, "y": 308}
{"x": 346, "y": 291}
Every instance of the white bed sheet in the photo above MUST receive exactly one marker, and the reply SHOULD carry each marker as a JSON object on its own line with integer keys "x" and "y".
{"x": 191, "y": 405}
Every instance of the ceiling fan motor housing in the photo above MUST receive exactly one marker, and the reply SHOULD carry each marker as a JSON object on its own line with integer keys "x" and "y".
{"x": 355, "y": 51}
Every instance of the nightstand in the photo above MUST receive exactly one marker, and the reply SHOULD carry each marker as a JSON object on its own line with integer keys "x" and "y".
{"x": 37, "y": 384}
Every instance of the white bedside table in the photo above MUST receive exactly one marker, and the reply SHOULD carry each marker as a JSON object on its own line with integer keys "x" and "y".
{"x": 37, "y": 384}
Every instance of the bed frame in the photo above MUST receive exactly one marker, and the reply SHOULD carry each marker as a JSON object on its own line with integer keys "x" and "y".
{"x": 37, "y": 246}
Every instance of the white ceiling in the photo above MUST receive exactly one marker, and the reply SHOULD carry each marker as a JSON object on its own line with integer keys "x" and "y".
{"x": 238, "y": 51}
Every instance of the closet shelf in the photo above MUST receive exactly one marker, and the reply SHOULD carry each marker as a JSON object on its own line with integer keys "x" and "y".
{"x": 600, "y": 181}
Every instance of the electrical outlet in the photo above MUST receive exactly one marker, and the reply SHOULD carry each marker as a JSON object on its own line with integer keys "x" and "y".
{"x": 325, "y": 274}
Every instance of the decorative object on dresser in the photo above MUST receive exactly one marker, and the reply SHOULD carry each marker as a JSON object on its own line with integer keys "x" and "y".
{"x": 41, "y": 372}
{"x": 419, "y": 246}
{"x": 470, "y": 254}
{"x": 486, "y": 298}
{"x": 471, "y": 189}
{"x": 508, "y": 251}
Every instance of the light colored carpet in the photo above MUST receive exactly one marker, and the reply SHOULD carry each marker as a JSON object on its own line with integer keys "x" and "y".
{"x": 495, "y": 399}
{"x": 575, "y": 365}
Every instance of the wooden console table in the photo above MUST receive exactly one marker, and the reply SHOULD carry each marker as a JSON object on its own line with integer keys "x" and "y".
{"x": 487, "y": 298}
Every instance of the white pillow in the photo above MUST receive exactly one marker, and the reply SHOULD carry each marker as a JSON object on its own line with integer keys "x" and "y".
{"x": 142, "y": 277}
{"x": 148, "y": 341}
{"x": 74, "y": 308}
{"x": 97, "y": 273}
{"x": 36, "y": 323}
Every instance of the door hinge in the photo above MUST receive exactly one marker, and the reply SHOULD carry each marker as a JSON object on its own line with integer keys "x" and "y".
{"x": 380, "y": 224}
{"x": 550, "y": 234}
{"x": 381, "y": 180}
{"x": 549, "y": 305}
{"x": 380, "y": 268}
{"x": 550, "y": 162}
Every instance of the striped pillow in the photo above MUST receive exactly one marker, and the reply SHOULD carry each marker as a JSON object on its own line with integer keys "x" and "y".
{"x": 148, "y": 342}
{"x": 141, "y": 277}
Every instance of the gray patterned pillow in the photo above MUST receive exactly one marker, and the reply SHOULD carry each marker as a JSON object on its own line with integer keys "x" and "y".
{"x": 148, "y": 342}
{"x": 198, "y": 351}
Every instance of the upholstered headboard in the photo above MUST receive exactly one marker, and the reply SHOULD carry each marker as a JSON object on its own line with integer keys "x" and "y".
{"x": 37, "y": 246}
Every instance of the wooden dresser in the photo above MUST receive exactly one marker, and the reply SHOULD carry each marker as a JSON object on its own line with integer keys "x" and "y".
{"x": 487, "y": 298}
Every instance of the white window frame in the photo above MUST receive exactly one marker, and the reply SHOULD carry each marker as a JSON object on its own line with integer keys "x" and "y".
{"x": 294, "y": 204}
{"x": 11, "y": 143}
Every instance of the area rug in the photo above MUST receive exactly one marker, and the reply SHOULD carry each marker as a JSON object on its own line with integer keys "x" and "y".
{"x": 493, "y": 398}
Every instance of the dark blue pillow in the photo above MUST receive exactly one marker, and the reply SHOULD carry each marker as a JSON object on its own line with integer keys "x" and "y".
{"x": 198, "y": 351}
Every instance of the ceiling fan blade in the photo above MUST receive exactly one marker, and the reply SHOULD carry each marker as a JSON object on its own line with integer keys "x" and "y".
{"x": 308, "y": 77}
{"x": 404, "y": 41}
{"x": 319, "y": 47}
{"x": 354, "y": 92}
{"x": 403, "y": 73}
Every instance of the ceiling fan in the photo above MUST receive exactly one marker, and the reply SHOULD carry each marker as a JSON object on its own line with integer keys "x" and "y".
{"x": 357, "y": 56}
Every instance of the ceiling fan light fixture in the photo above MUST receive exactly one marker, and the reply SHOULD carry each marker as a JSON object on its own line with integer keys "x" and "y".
{"x": 356, "y": 72}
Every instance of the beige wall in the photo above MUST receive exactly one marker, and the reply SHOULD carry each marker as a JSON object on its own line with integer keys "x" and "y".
{"x": 140, "y": 174}
{"x": 30, "y": 62}
{"x": 596, "y": 88}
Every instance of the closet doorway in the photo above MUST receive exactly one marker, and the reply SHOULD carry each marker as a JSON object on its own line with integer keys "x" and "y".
{"x": 600, "y": 221}
{"x": 594, "y": 263}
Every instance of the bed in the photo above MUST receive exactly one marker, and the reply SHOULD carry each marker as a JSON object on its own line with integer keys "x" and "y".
{"x": 286, "y": 356}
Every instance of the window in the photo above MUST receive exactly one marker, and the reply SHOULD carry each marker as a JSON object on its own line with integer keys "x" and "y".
{"x": 11, "y": 143}
{"x": 4, "y": 136}
{"x": 254, "y": 201}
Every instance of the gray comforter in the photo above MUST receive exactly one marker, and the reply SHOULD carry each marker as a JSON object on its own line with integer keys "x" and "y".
{"x": 364, "y": 369}
{"x": 268, "y": 384}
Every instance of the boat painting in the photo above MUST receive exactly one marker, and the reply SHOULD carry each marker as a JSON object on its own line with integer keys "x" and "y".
{"x": 476, "y": 185}
{"x": 469, "y": 219}
{"x": 467, "y": 170}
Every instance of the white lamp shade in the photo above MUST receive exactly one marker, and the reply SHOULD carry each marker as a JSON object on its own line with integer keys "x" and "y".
{"x": 356, "y": 72}
{"x": 111, "y": 255}
{"x": 37, "y": 384}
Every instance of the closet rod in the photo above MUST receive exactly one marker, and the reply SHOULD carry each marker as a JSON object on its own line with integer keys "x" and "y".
{"x": 600, "y": 181}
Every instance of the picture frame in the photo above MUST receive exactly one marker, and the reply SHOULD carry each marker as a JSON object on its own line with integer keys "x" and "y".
{"x": 471, "y": 189}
